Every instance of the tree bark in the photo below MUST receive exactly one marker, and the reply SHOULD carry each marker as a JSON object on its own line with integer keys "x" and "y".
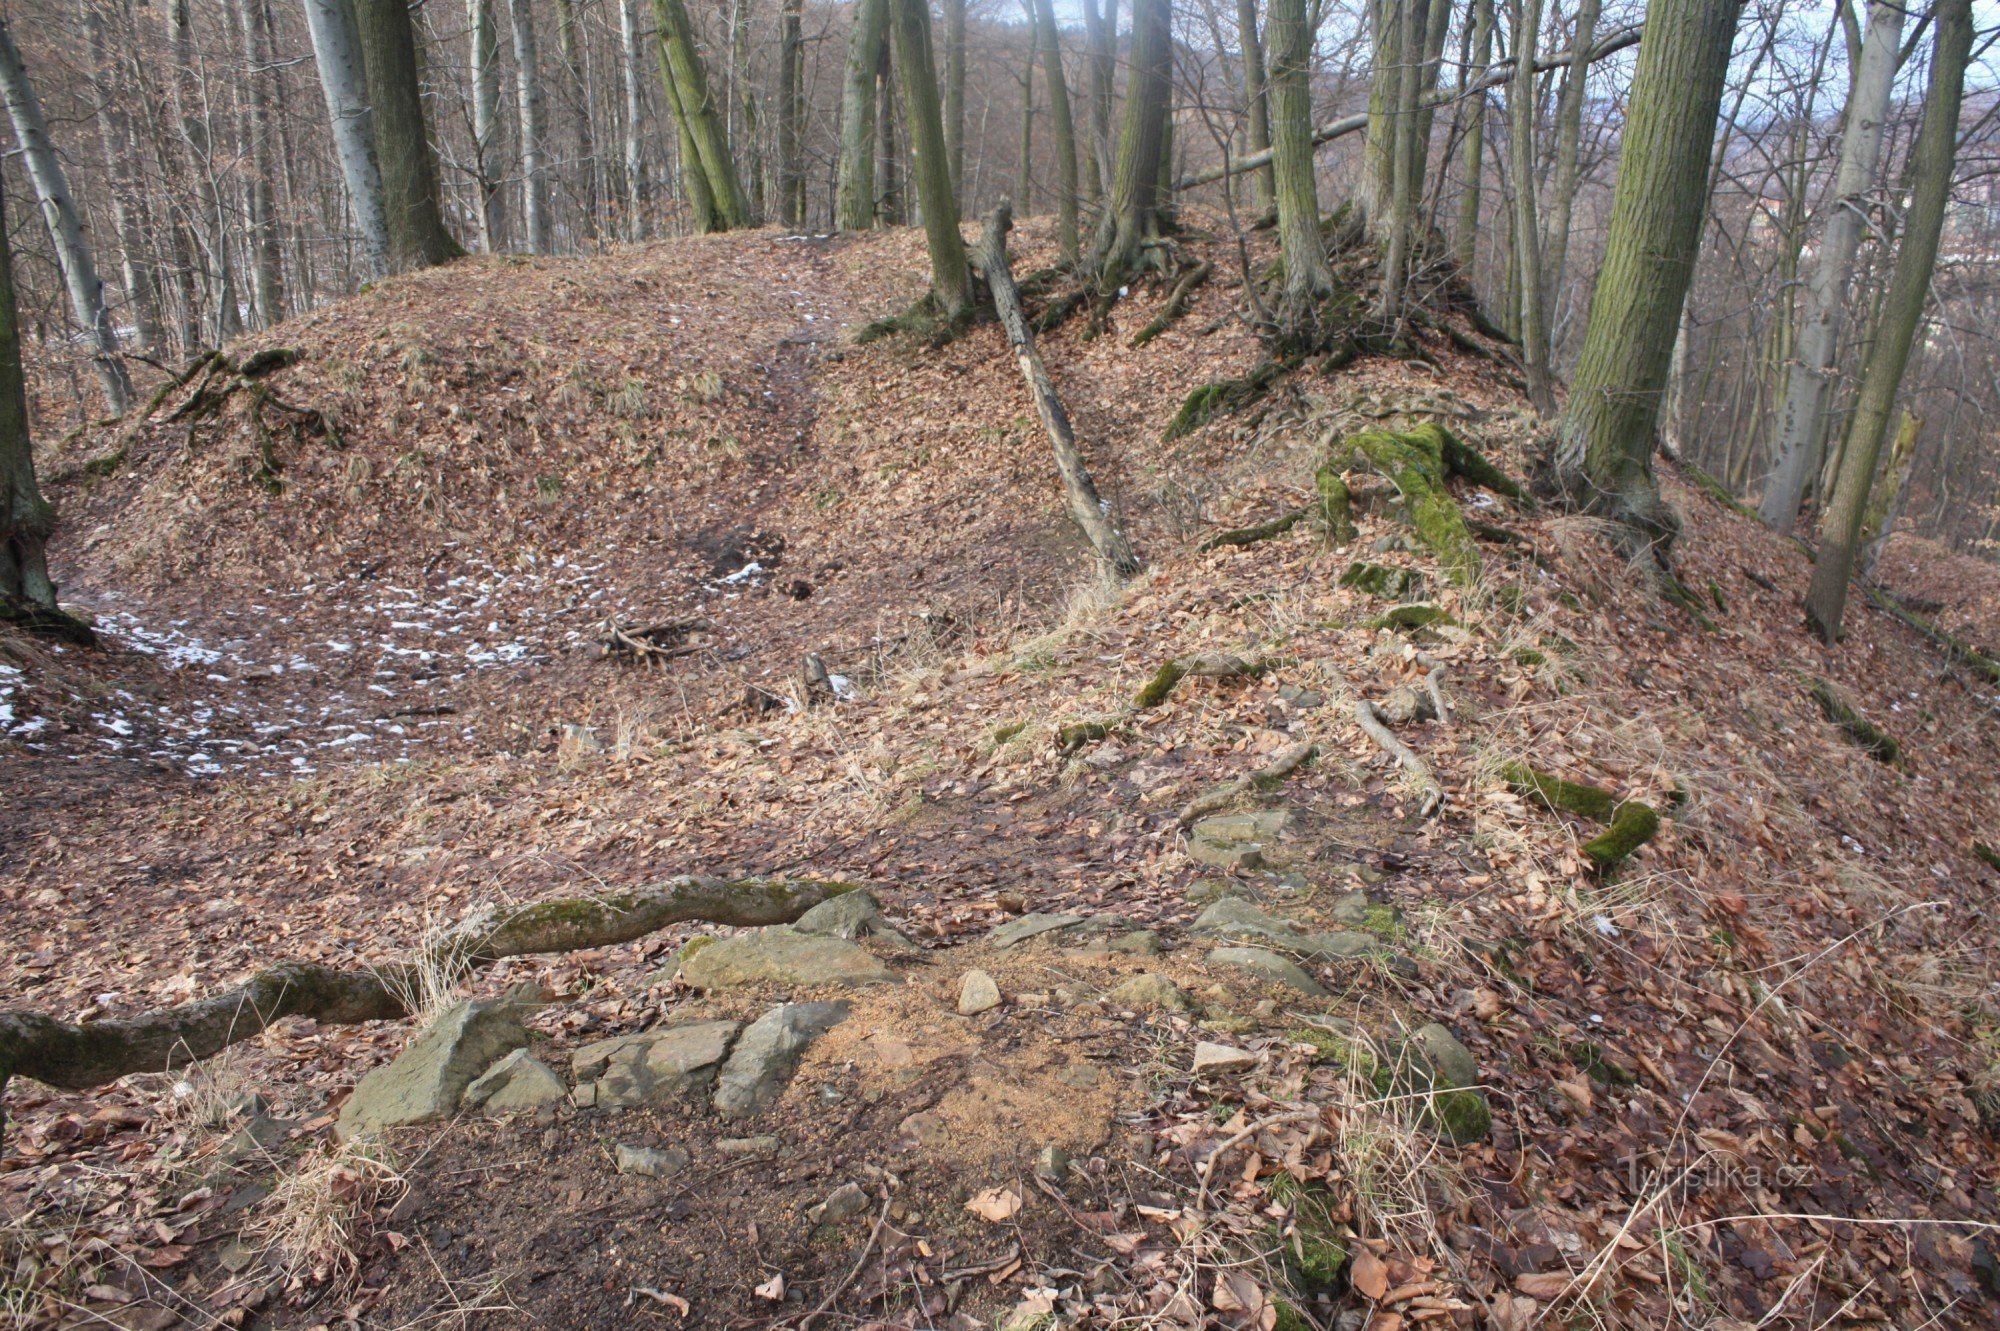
{"x": 1308, "y": 278}
{"x": 954, "y": 93}
{"x": 748, "y": 137}
{"x": 1263, "y": 184}
{"x": 128, "y": 219}
{"x": 1604, "y": 441}
{"x": 25, "y": 517}
{"x": 267, "y": 270}
{"x": 1931, "y": 169}
{"x": 1101, "y": 34}
{"x": 637, "y": 187}
{"x": 1472, "y": 152}
{"x": 410, "y": 205}
{"x": 854, "y": 201}
{"x": 79, "y": 266}
{"x": 583, "y": 108}
{"x": 485, "y": 38}
{"x": 791, "y": 113}
{"x": 951, "y": 281}
{"x": 1398, "y": 229}
{"x": 1569, "y": 143}
{"x": 696, "y": 113}
{"x": 1061, "y": 124}
{"x": 1114, "y": 552}
{"x": 528, "y": 119}
{"x": 1024, "y": 157}
{"x": 337, "y": 52}
{"x": 1130, "y": 220}
{"x": 1808, "y": 373}
{"x": 228, "y": 321}
{"x": 1527, "y": 225}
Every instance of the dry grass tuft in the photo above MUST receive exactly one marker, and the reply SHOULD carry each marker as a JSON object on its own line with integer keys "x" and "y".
{"x": 314, "y": 1221}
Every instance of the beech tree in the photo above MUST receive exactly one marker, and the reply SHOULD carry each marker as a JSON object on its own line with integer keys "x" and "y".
{"x": 25, "y": 517}
{"x": 528, "y": 114}
{"x": 1604, "y": 441}
{"x": 854, "y": 209}
{"x": 951, "y": 276}
{"x": 417, "y": 237}
{"x": 708, "y": 169}
{"x": 1132, "y": 218}
{"x": 337, "y": 53}
{"x": 1308, "y": 278}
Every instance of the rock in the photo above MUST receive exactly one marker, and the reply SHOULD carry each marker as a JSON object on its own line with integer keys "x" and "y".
{"x": 1204, "y": 891}
{"x": 424, "y": 1083}
{"x": 1301, "y": 698}
{"x": 1237, "y": 840}
{"x": 1243, "y": 921}
{"x": 1270, "y": 966}
{"x": 767, "y": 1053}
{"x": 516, "y": 1084}
{"x": 1357, "y": 911}
{"x": 977, "y": 993}
{"x": 1454, "y": 1064}
{"x": 261, "y": 1135}
{"x": 651, "y": 1067}
{"x": 1052, "y": 1163}
{"x": 743, "y": 1147}
{"x": 781, "y": 955}
{"x": 1211, "y": 1057}
{"x": 843, "y": 1203}
{"x": 1017, "y": 931}
{"x": 1403, "y": 704}
{"x": 1225, "y": 854}
{"x": 852, "y": 915}
{"x": 649, "y": 1161}
{"x": 237, "y": 1257}
{"x": 1151, "y": 992}
{"x": 924, "y": 1128}
{"x": 1435, "y": 1062}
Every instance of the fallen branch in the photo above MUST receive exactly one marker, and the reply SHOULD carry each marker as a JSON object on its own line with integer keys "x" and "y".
{"x": 1962, "y": 653}
{"x": 1091, "y": 513}
{"x": 1263, "y": 531}
{"x": 1207, "y": 665}
{"x": 1865, "y": 735}
{"x": 1631, "y": 824}
{"x": 656, "y": 645}
{"x": 1283, "y": 763}
{"x": 77, "y": 1057}
{"x": 1372, "y": 725}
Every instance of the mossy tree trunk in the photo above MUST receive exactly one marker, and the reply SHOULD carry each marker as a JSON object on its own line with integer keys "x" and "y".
{"x": 1131, "y": 218}
{"x": 1885, "y": 500}
{"x": 25, "y": 517}
{"x": 951, "y": 276}
{"x": 1308, "y": 279}
{"x": 854, "y": 193}
{"x": 1931, "y": 167}
{"x": 1378, "y": 148}
{"x": 1262, "y": 194}
{"x": 791, "y": 113}
{"x": 1569, "y": 138}
{"x": 954, "y": 94}
{"x": 1472, "y": 151}
{"x": 1061, "y": 124}
{"x": 1527, "y": 225}
{"x": 1398, "y": 229}
{"x": 1101, "y": 35}
{"x": 410, "y": 204}
{"x": 700, "y": 123}
{"x": 1604, "y": 441}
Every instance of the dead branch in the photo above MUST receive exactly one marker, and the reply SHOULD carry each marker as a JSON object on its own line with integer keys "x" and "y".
{"x": 1090, "y": 512}
{"x": 1372, "y": 725}
{"x": 1283, "y": 763}
{"x": 657, "y": 644}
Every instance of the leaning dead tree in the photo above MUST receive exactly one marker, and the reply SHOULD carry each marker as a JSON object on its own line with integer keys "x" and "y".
{"x": 1090, "y": 512}
{"x": 79, "y": 1056}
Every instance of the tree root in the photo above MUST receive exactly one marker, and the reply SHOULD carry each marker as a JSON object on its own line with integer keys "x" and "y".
{"x": 1870, "y": 738}
{"x": 923, "y": 321}
{"x": 78, "y": 1057}
{"x": 1220, "y": 398}
{"x": 1077, "y": 734}
{"x": 1057, "y": 312}
{"x": 1263, "y": 531}
{"x": 1177, "y": 304}
{"x": 1268, "y": 777}
{"x": 1372, "y": 724}
{"x": 45, "y": 621}
{"x": 1961, "y": 653}
{"x": 1207, "y": 665}
{"x": 1630, "y": 823}
{"x": 1418, "y": 462}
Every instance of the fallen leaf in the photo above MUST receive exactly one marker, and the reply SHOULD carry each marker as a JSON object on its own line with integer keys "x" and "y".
{"x": 1369, "y": 1276}
{"x": 1542, "y": 1285}
{"x": 772, "y": 1289}
{"x": 995, "y": 1204}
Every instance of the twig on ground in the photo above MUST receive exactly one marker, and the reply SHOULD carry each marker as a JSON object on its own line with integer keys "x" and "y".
{"x": 1372, "y": 725}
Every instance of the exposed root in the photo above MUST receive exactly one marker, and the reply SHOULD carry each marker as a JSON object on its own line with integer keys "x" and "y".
{"x": 1076, "y": 735}
{"x": 45, "y": 622}
{"x": 1207, "y": 665}
{"x": 923, "y": 321}
{"x": 1870, "y": 738}
{"x": 1177, "y": 304}
{"x": 1418, "y": 462}
{"x": 1263, "y": 531}
{"x": 1372, "y": 725}
{"x": 1271, "y": 775}
{"x": 1204, "y": 404}
{"x": 1631, "y": 823}
{"x": 1961, "y": 653}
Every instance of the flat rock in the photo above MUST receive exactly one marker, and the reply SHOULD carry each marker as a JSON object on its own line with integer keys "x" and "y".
{"x": 742, "y": 1147}
{"x": 258, "y": 1136}
{"x": 843, "y": 1203}
{"x": 1238, "y": 920}
{"x": 650, "y": 1161}
{"x": 1017, "y": 931}
{"x": 1211, "y": 1057}
{"x": 767, "y": 1053}
{"x": 425, "y": 1082}
{"x": 1225, "y": 854}
{"x": 1151, "y": 992}
{"x": 782, "y": 955}
{"x": 1453, "y": 1062}
{"x": 852, "y": 915}
{"x": 516, "y": 1084}
{"x": 1270, "y": 966}
{"x": 977, "y": 993}
{"x": 1260, "y": 826}
{"x": 651, "y": 1067}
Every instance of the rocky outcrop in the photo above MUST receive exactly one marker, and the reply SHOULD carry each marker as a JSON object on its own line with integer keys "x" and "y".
{"x": 768, "y": 1052}
{"x": 652, "y": 1067}
{"x": 426, "y": 1081}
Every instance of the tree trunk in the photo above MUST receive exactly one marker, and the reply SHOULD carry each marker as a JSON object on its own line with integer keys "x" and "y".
{"x": 1378, "y": 149}
{"x": 1885, "y": 500}
{"x": 954, "y": 93}
{"x": 25, "y": 517}
{"x": 1569, "y": 137}
{"x": 748, "y": 137}
{"x": 582, "y": 109}
{"x": 1308, "y": 278}
{"x": 1472, "y": 152}
{"x": 1527, "y": 226}
{"x": 1061, "y": 124}
{"x": 1808, "y": 373}
{"x": 696, "y": 113}
{"x": 1604, "y": 441}
{"x": 79, "y": 267}
{"x": 1101, "y": 33}
{"x": 1024, "y": 158}
{"x": 1931, "y": 168}
{"x": 1437, "y": 22}
{"x": 1263, "y": 185}
{"x": 267, "y": 270}
{"x": 1401, "y": 223}
{"x": 637, "y": 187}
{"x": 791, "y": 113}
{"x": 1130, "y": 220}
{"x": 485, "y": 39}
{"x": 337, "y": 52}
{"x": 854, "y": 201}
{"x": 228, "y": 321}
{"x": 951, "y": 280}
{"x": 528, "y": 117}
{"x": 888, "y": 153}
{"x": 410, "y": 206}
{"x": 694, "y": 180}
{"x": 1114, "y": 552}
{"x": 114, "y": 133}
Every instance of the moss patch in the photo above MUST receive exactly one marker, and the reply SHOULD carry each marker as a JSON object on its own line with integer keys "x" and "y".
{"x": 1416, "y": 616}
{"x": 1630, "y": 823}
{"x": 1383, "y": 581}
{"x": 1870, "y": 738}
{"x": 1161, "y": 686}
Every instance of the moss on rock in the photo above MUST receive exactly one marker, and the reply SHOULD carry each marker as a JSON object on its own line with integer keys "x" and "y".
{"x": 1418, "y": 615}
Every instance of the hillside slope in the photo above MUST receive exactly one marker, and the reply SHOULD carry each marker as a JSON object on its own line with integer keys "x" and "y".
{"x": 1732, "y": 1082}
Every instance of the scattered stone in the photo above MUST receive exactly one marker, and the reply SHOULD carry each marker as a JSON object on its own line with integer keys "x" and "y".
{"x": 977, "y": 993}
{"x": 1435, "y": 1062}
{"x": 843, "y": 1203}
{"x": 1205, "y": 891}
{"x": 1243, "y": 921}
{"x": 1356, "y": 911}
{"x": 1052, "y": 1164}
{"x": 651, "y": 1162}
{"x": 1017, "y": 931}
{"x": 424, "y": 1083}
{"x": 743, "y": 1147}
{"x": 516, "y": 1084}
{"x": 1301, "y": 698}
{"x": 651, "y": 1067}
{"x": 1453, "y": 1062}
{"x": 1150, "y": 992}
{"x": 1268, "y": 965}
{"x": 1211, "y": 1057}
{"x": 1237, "y": 840}
{"x": 852, "y": 915}
{"x": 1403, "y": 704}
{"x": 782, "y": 955}
{"x": 261, "y": 1135}
{"x": 237, "y": 1257}
{"x": 925, "y": 1128}
{"x": 767, "y": 1053}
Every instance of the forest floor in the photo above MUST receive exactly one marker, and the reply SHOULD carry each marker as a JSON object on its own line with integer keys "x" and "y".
{"x": 354, "y": 687}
